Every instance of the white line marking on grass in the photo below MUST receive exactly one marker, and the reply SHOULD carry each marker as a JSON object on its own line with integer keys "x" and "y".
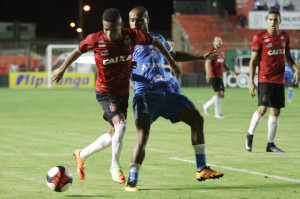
{"x": 242, "y": 170}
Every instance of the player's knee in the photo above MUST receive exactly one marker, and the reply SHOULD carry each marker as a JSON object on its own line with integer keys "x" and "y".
{"x": 198, "y": 119}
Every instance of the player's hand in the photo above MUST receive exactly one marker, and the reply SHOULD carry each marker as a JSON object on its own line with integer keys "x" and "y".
{"x": 207, "y": 77}
{"x": 296, "y": 77}
{"x": 176, "y": 70}
{"x": 133, "y": 66}
{"x": 57, "y": 75}
{"x": 232, "y": 73}
{"x": 252, "y": 89}
{"x": 210, "y": 56}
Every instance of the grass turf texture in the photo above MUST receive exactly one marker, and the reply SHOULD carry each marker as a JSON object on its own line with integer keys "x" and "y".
{"x": 40, "y": 129}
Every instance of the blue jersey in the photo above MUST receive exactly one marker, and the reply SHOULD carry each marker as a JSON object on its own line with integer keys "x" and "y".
{"x": 150, "y": 73}
{"x": 289, "y": 71}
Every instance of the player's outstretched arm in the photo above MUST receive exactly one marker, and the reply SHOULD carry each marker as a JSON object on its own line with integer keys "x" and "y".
{"x": 252, "y": 68}
{"x": 59, "y": 72}
{"x": 292, "y": 63}
{"x": 185, "y": 56}
{"x": 161, "y": 48}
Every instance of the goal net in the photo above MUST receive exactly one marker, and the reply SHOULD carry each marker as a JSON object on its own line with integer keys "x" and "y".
{"x": 80, "y": 74}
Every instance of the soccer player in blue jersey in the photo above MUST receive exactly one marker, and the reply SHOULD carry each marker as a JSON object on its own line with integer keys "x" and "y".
{"x": 154, "y": 96}
{"x": 289, "y": 78}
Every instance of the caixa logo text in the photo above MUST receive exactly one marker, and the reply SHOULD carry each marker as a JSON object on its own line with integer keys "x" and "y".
{"x": 35, "y": 81}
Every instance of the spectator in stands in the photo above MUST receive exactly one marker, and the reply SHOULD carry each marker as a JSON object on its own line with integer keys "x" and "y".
{"x": 22, "y": 67}
{"x": 289, "y": 7}
{"x": 265, "y": 6}
{"x": 276, "y": 6}
{"x": 36, "y": 68}
{"x": 256, "y": 5}
{"x": 242, "y": 22}
{"x": 13, "y": 67}
{"x": 3, "y": 67}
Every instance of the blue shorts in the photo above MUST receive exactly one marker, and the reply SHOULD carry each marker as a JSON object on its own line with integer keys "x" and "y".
{"x": 289, "y": 77}
{"x": 153, "y": 104}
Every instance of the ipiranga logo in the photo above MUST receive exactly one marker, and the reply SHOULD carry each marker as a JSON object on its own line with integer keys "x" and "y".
{"x": 39, "y": 80}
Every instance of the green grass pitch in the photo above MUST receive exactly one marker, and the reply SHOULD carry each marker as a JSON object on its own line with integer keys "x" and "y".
{"x": 40, "y": 129}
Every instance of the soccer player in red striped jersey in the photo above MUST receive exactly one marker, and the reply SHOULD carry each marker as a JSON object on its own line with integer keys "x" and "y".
{"x": 214, "y": 70}
{"x": 113, "y": 48}
{"x": 269, "y": 50}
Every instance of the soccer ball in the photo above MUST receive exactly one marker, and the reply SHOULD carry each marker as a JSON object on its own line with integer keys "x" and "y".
{"x": 59, "y": 178}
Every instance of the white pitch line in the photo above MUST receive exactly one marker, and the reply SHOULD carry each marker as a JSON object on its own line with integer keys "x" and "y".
{"x": 242, "y": 170}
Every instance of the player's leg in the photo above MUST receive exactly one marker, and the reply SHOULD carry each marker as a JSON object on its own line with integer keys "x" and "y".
{"x": 290, "y": 91}
{"x": 277, "y": 102}
{"x": 120, "y": 126}
{"x": 263, "y": 103}
{"x": 192, "y": 117}
{"x": 218, "y": 101}
{"x": 255, "y": 121}
{"x": 205, "y": 107}
{"x": 138, "y": 152}
{"x": 101, "y": 143}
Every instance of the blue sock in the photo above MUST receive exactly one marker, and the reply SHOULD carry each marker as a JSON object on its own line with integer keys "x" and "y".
{"x": 290, "y": 93}
{"x": 133, "y": 176}
{"x": 200, "y": 161}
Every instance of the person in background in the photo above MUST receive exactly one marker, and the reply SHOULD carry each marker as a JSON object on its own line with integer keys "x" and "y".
{"x": 13, "y": 67}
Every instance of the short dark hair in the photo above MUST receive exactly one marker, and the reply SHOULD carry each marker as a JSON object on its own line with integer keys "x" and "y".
{"x": 142, "y": 9}
{"x": 276, "y": 12}
{"x": 111, "y": 15}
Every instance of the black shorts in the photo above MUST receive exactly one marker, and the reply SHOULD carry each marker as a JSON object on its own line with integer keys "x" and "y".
{"x": 217, "y": 84}
{"x": 271, "y": 95}
{"x": 112, "y": 105}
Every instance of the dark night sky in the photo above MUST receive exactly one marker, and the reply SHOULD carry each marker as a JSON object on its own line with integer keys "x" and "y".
{"x": 52, "y": 17}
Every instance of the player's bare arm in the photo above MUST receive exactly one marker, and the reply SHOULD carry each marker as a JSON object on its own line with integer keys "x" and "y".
{"x": 229, "y": 70}
{"x": 161, "y": 48}
{"x": 292, "y": 63}
{"x": 185, "y": 56}
{"x": 252, "y": 68}
{"x": 59, "y": 72}
{"x": 207, "y": 66}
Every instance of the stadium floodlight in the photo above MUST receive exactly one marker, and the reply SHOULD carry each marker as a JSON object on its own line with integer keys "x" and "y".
{"x": 86, "y": 7}
{"x": 72, "y": 24}
{"x": 79, "y": 29}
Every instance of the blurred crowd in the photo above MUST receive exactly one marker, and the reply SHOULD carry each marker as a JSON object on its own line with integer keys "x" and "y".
{"x": 261, "y": 5}
{"x": 22, "y": 67}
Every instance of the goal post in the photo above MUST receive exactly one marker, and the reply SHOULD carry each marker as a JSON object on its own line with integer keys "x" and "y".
{"x": 49, "y": 55}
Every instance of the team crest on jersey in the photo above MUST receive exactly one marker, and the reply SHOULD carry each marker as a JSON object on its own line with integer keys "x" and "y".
{"x": 101, "y": 43}
{"x": 269, "y": 45}
{"x": 104, "y": 53}
{"x": 283, "y": 43}
{"x": 282, "y": 37}
{"x": 112, "y": 107}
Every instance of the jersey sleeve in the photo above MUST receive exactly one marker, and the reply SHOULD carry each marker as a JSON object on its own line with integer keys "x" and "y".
{"x": 256, "y": 44}
{"x": 141, "y": 37}
{"x": 87, "y": 44}
{"x": 164, "y": 42}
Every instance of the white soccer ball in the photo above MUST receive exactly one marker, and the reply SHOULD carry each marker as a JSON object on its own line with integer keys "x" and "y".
{"x": 59, "y": 178}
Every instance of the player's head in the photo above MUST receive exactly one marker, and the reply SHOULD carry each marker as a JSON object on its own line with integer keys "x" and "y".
{"x": 171, "y": 42}
{"x": 138, "y": 18}
{"x": 217, "y": 42}
{"x": 112, "y": 24}
{"x": 273, "y": 20}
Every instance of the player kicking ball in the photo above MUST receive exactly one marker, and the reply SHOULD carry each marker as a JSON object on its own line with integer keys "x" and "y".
{"x": 269, "y": 49}
{"x": 113, "y": 48}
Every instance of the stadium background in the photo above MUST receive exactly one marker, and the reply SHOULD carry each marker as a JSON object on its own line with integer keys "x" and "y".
{"x": 28, "y": 27}
{"x": 40, "y": 128}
